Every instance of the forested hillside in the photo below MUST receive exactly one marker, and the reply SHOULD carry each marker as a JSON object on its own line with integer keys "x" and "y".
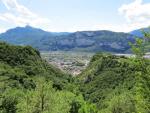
{"x": 117, "y": 84}
{"x": 28, "y": 62}
{"x": 30, "y": 85}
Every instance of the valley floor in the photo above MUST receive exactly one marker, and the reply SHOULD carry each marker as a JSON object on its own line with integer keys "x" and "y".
{"x": 70, "y": 62}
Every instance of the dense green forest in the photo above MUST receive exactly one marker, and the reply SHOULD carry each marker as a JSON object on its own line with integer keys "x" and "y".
{"x": 30, "y": 85}
{"x": 110, "y": 84}
{"x": 117, "y": 84}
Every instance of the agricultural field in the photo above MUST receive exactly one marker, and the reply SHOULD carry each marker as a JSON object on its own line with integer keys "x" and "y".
{"x": 70, "y": 62}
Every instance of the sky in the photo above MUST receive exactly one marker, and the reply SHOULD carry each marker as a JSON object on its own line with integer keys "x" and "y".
{"x": 75, "y": 15}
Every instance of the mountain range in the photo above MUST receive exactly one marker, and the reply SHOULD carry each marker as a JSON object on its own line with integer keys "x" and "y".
{"x": 90, "y": 41}
{"x": 138, "y": 32}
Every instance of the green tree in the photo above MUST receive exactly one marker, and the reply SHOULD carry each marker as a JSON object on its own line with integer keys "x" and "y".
{"x": 45, "y": 99}
{"x": 79, "y": 105}
{"x": 9, "y": 101}
{"x": 141, "y": 45}
{"x": 141, "y": 89}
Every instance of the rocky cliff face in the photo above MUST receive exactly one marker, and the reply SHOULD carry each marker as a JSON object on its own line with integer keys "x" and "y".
{"x": 78, "y": 41}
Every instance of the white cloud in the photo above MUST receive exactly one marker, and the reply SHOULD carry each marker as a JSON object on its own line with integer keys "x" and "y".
{"x": 13, "y": 5}
{"x": 20, "y": 15}
{"x": 137, "y": 14}
{"x": 2, "y": 30}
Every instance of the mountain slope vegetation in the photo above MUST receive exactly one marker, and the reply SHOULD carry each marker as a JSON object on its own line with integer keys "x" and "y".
{"x": 110, "y": 83}
{"x": 28, "y": 61}
{"x": 117, "y": 84}
{"x": 30, "y": 85}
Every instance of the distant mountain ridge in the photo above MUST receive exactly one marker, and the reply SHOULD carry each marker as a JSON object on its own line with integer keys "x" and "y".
{"x": 138, "y": 32}
{"x": 93, "y": 41}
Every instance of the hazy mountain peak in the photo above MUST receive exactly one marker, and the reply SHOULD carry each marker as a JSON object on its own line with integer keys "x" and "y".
{"x": 28, "y": 26}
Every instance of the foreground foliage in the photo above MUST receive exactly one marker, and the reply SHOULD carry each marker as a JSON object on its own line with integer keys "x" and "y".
{"x": 110, "y": 84}
{"x": 30, "y": 85}
{"x": 117, "y": 84}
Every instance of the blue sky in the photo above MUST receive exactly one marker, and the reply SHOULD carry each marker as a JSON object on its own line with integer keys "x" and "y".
{"x": 75, "y": 15}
